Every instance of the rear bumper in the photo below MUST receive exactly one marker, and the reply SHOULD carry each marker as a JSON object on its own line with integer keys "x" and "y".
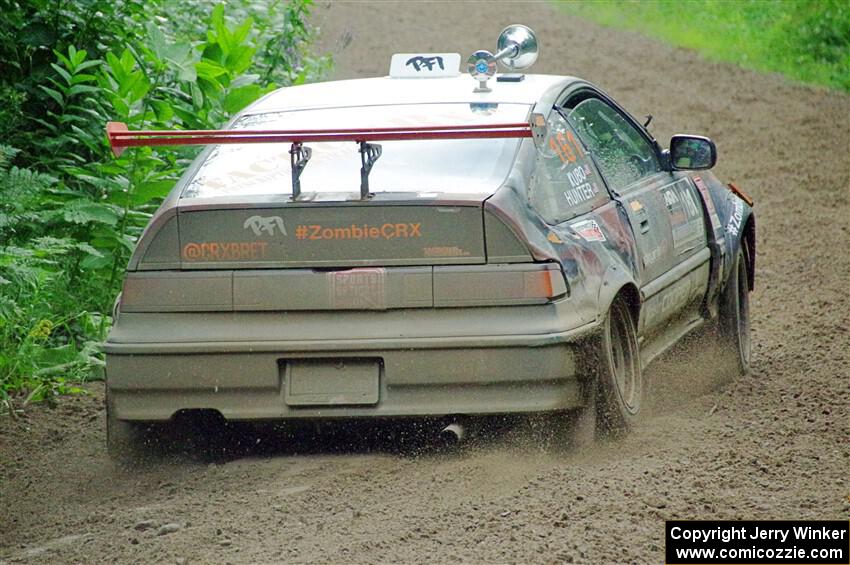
{"x": 159, "y": 364}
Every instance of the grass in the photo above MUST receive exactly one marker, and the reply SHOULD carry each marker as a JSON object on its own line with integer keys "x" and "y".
{"x": 806, "y": 40}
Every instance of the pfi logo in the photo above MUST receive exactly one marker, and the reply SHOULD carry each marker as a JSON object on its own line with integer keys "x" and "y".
{"x": 260, "y": 225}
{"x": 420, "y": 63}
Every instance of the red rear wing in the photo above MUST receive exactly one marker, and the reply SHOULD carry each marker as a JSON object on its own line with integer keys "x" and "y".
{"x": 120, "y": 137}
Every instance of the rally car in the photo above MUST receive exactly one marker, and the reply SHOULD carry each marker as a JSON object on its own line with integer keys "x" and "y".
{"x": 426, "y": 245}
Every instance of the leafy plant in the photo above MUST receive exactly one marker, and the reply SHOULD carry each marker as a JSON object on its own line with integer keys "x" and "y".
{"x": 70, "y": 213}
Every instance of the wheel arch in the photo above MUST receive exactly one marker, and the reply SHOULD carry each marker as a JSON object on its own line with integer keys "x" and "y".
{"x": 617, "y": 283}
{"x": 630, "y": 293}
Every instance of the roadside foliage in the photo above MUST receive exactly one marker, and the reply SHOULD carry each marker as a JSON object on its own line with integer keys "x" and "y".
{"x": 70, "y": 213}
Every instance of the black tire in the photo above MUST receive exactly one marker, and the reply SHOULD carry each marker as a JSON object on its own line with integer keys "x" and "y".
{"x": 733, "y": 327}
{"x": 125, "y": 440}
{"x": 620, "y": 387}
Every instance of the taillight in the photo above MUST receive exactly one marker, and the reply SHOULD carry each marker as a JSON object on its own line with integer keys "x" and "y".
{"x": 305, "y": 289}
{"x": 169, "y": 291}
{"x": 498, "y": 285}
{"x": 159, "y": 247}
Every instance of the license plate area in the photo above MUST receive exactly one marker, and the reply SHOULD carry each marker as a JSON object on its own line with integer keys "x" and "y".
{"x": 331, "y": 381}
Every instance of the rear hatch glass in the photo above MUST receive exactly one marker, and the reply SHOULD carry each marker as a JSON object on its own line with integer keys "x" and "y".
{"x": 444, "y": 166}
{"x": 372, "y": 234}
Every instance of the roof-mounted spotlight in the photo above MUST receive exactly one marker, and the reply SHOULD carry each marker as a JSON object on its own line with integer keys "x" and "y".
{"x": 518, "y": 49}
{"x": 481, "y": 65}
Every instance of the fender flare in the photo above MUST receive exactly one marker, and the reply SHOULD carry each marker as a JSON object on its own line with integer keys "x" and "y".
{"x": 618, "y": 280}
{"x": 746, "y": 239}
{"x": 749, "y": 240}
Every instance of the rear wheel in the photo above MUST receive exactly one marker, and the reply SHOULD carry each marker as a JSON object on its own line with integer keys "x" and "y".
{"x": 734, "y": 317}
{"x": 124, "y": 440}
{"x": 620, "y": 386}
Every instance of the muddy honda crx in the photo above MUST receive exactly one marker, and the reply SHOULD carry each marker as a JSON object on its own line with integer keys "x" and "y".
{"x": 426, "y": 245}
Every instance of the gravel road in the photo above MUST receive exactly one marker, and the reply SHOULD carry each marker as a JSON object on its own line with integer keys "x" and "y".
{"x": 772, "y": 445}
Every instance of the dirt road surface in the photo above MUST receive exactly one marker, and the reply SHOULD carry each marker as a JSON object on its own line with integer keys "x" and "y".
{"x": 773, "y": 445}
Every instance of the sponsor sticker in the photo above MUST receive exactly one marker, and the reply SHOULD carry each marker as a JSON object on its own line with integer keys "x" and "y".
{"x": 685, "y": 216}
{"x": 581, "y": 194}
{"x": 734, "y": 225}
{"x": 225, "y": 251}
{"x": 424, "y": 65}
{"x": 265, "y": 225}
{"x": 589, "y": 230}
{"x": 358, "y": 232}
{"x": 445, "y": 251}
{"x": 362, "y": 289}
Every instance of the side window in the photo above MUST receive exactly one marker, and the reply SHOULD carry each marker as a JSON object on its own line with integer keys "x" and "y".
{"x": 565, "y": 183}
{"x": 622, "y": 153}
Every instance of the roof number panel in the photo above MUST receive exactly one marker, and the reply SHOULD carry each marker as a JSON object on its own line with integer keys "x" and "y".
{"x": 425, "y": 65}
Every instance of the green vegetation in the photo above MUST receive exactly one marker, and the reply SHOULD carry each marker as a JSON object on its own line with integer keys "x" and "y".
{"x": 70, "y": 212}
{"x": 808, "y": 40}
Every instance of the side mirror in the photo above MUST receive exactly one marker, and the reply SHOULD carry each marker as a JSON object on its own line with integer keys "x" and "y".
{"x": 692, "y": 153}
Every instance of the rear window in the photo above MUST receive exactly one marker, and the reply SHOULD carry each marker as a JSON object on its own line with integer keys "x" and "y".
{"x": 459, "y": 166}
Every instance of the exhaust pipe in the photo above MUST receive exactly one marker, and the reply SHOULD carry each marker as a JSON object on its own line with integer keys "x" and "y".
{"x": 452, "y": 434}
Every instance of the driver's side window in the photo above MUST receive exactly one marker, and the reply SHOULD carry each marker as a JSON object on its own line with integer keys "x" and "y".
{"x": 621, "y": 152}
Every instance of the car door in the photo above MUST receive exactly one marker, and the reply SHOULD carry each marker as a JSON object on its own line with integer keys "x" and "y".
{"x": 663, "y": 214}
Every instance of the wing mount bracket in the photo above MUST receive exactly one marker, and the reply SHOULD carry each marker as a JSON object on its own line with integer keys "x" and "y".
{"x": 369, "y": 155}
{"x": 299, "y": 155}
